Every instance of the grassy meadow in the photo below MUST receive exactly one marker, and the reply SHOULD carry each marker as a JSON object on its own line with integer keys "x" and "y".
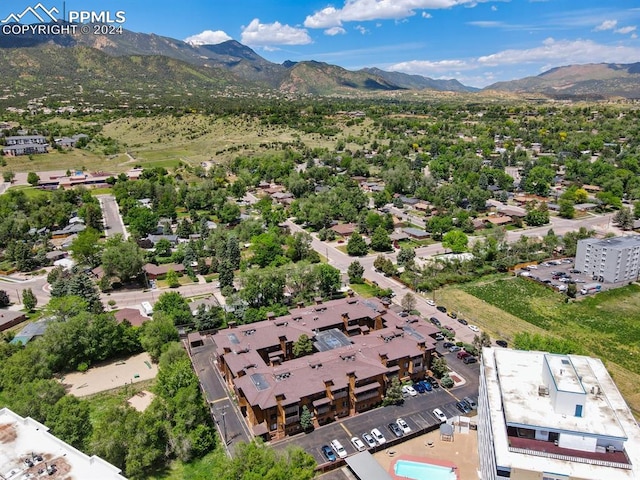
{"x": 606, "y": 325}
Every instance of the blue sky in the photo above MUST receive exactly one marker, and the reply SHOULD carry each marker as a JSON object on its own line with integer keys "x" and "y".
{"x": 475, "y": 41}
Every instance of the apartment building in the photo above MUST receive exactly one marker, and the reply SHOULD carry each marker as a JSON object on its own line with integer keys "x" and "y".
{"x": 614, "y": 259}
{"x": 360, "y": 345}
{"x": 553, "y": 417}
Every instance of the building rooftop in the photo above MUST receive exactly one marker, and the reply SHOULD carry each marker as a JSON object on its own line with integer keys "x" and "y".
{"x": 522, "y": 388}
{"x": 27, "y": 442}
{"x": 616, "y": 242}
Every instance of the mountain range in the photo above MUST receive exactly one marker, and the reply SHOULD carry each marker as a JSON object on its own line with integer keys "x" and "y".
{"x": 132, "y": 60}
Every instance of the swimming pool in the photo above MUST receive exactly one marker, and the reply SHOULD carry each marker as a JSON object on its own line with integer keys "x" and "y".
{"x": 421, "y": 471}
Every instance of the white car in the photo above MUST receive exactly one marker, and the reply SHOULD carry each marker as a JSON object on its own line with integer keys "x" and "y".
{"x": 474, "y": 328}
{"x": 533, "y": 267}
{"x": 358, "y": 444}
{"x": 379, "y": 437}
{"x": 439, "y": 415}
{"x": 338, "y": 448}
{"x": 409, "y": 390}
{"x": 403, "y": 425}
{"x": 431, "y": 302}
{"x": 369, "y": 440}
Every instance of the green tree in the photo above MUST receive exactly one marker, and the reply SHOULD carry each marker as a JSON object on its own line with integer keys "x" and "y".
{"x": 455, "y": 240}
{"x": 225, "y": 274}
{"x": 157, "y": 334}
{"x": 91, "y": 213}
{"x": 567, "y": 209}
{"x": 4, "y": 299}
{"x": 355, "y": 272}
{"x": 86, "y": 248}
{"x": 8, "y": 176}
{"x": 380, "y": 241}
{"x": 122, "y": 259}
{"x": 266, "y": 249}
{"x": 229, "y": 213}
{"x": 29, "y": 300}
{"x": 537, "y": 215}
{"x": 173, "y": 281}
{"x": 328, "y": 279}
{"x": 306, "y": 419}
{"x": 538, "y": 180}
{"x": 409, "y": 302}
{"x": 393, "y": 395}
{"x": 572, "y": 290}
{"x": 624, "y": 218}
{"x": 356, "y": 246}
{"x": 303, "y": 346}
{"x": 162, "y": 248}
{"x": 406, "y": 256}
{"x": 141, "y": 221}
{"x": 33, "y": 179}
{"x": 439, "y": 367}
{"x": 299, "y": 246}
{"x": 175, "y": 306}
{"x": 69, "y": 420}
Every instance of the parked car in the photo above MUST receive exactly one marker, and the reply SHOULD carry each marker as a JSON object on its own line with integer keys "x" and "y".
{"x": 448, "y": 344}
{"x": 431, "y": 302}
{"x": 463, "y": 407}
{"x": 435, "y": 321}
{"x": 575, "y": 270}
{"x": 368, "y": 440}
{"x": 328, "y": 453}
{"x": 395, "y": 429}
{"x": 438, "y": 337}
{"x": 463, "y": 321}
{"x": 375, "y": 433}
{"x": 469, "y": 401}
{"x": 404, "y": 314}
{"x": 357, "y": 444}
{"x": 441, "y": 417}
{"x": 434, "y": 383}
{"x": 426, "y": 385}
{"x": 409, "y": 390}
{"x": 468, "y": 360}
{"x": 502, "y": 343}
{"x": 338, "y": 448}
{"x": 463, "y": 354}
{"x": 447, "y": 327}
{"x": 441, "y": 309}
{"x": 403, "y": 426}
{"x": 419, "y": 387}
{"x": 474, "y": 328}
{"x": 452, "y": 315}
{"x": 455, "y": 348}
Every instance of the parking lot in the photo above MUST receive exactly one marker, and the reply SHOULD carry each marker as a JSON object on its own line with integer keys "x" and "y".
{"x": 559, "y": 273}
{"x": 417, "y": 411}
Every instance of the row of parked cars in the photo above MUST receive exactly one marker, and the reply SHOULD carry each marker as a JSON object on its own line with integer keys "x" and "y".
{"x": 371, "y": 439}
{"x": 420, "y": 386}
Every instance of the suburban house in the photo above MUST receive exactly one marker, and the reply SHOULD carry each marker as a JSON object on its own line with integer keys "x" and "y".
{"x": 154, "y": 272}
{"x": 9, "y": 318}
{"x": 359, "y": 347}
{"x": 345, "y": 229}
{"x": 25, "y": 145}
{"x": 131, "y": 315}
{"x": 416, "y": 233}
{"x": 70, "y": 142}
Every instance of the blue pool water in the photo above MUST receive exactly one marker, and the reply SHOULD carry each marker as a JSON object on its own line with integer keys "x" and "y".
{"x": 423, "y": 471}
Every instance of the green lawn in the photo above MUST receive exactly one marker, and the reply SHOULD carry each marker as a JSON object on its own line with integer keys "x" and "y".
{"x": 364, "y": 289}
{"x": 606, "y": 325}
{"x": 31, "y": 192}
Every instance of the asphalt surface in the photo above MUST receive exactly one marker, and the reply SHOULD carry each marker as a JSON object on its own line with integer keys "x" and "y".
{"x": 416, "y": 411}
{"x": 111, "y": 214}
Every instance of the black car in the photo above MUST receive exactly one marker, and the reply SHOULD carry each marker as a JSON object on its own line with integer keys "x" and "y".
{"x": 395, "y": 429}
{"x": 442, "y": 309}
{"x": 435, "y": 321}
{"x": 468, "y": 360}
{"x": 448, "y": 344}
{"x": 463, "y": 321}
{"x": 434, "y": 383}
{"x": 502, "y": 343}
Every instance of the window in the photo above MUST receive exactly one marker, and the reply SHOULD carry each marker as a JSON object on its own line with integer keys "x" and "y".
{"x": 578, "y": 410}
{"x": 554, "y": 476}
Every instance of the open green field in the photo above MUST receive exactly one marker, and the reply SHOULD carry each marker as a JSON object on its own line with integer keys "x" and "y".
{"x": 606, "y": 325}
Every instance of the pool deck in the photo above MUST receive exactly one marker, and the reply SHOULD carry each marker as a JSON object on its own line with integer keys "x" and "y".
{"x": 430, "y": 461}
{"x": 462, "y": 452}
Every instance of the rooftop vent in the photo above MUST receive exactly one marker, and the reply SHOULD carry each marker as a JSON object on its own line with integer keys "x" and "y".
{"x": 543, "y": 391}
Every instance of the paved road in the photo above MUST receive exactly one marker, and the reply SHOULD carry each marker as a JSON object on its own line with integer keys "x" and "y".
{"x": 113, "y": 223}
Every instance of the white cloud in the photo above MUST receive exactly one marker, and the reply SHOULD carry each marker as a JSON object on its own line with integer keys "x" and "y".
{"x": 625, "y": 30}
{"x": 426, "y": 15}
{"x": 426, "y": 67}
{"x": 335, "y": 31}
{"x": 564, "y": 52}
{"x": 208, "y": 37}
{"x": 362, "y": 10}
{"x": 486, "y": 24}
{"x": 634, "y": 35}
{"x": 606, "y": 25}
{"x": 494, "y": 8}
{"x": 266, "y": 34}
{"x": 361, "y": 29}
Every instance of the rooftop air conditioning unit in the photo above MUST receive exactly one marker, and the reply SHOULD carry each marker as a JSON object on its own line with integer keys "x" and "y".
{"x": 543, "y": 391}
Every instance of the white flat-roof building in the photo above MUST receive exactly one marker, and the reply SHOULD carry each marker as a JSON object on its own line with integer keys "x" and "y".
{"x": 553, "y": 417}
{"x": 28, "y": 450}
{"x": 614, "y": 259}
